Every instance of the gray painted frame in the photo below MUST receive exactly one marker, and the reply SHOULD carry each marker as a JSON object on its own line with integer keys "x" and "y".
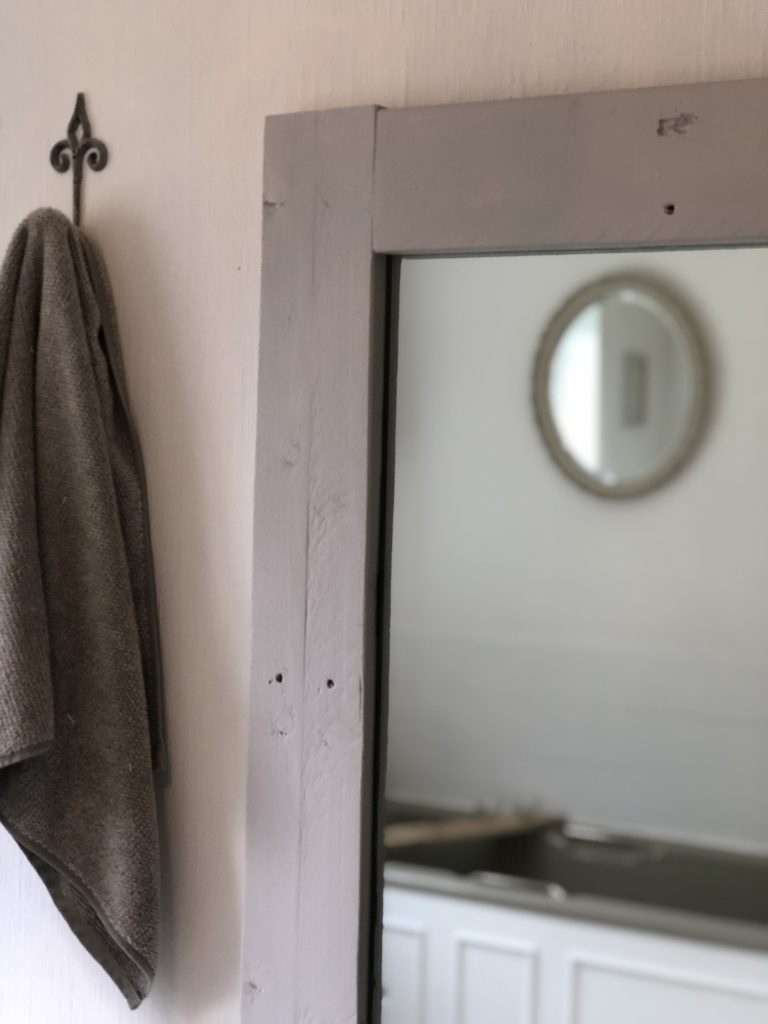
{"x": 685, "y": 166}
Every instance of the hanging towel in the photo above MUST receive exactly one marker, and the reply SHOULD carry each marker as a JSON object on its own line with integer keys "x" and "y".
{"x": 80, "y": 689}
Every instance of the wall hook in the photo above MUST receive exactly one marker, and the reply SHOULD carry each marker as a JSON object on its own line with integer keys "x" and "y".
{"x": 77, "y": 147}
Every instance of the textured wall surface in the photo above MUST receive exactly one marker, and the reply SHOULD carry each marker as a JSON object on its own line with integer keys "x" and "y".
{"x": 179, "y": 91}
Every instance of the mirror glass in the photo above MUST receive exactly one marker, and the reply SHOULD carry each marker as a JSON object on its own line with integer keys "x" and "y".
{"x": 577, "y": 745}
{"x": 620, "y": 387}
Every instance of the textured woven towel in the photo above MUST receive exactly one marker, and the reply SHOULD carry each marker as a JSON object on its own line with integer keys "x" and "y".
{"x": 80, "y": 704}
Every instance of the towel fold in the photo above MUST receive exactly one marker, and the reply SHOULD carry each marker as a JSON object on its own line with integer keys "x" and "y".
{"x": 81, "y": 719}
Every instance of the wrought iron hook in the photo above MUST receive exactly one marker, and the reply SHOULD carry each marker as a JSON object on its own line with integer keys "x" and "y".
{"x": 81, "y": 147}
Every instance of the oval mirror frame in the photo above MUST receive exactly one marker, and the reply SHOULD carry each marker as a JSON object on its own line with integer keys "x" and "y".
{"x": 699, "y": 363}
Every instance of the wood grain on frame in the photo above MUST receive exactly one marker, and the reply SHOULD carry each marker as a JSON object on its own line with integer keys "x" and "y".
{"x": 668, "y": 166}
{"x": 314, "y": 596}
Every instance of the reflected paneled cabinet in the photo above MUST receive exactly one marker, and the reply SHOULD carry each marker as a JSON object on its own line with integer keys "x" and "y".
{"x": 456, "y": 961}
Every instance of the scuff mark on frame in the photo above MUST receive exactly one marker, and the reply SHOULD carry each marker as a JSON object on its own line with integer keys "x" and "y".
{"x": 677, "y": 125}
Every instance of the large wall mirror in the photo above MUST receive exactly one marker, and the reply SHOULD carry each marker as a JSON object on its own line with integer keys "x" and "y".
{"x": 578, "y": 689}
{"x": 510, "y": 733}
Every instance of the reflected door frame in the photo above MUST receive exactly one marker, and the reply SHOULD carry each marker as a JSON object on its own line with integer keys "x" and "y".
{"x": 347, "y": 192}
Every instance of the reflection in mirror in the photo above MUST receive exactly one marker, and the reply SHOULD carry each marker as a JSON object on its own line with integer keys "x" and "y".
{"x": 578, "y": 689}
{"x": 620, "y": 387}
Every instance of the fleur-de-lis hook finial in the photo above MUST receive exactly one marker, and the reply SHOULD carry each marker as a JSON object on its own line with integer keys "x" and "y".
{"x": 81, "y": 147}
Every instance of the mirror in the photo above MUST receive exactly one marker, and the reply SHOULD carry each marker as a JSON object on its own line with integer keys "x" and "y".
{"x": 583, "y": 681}
{"x": 620, "y": 387}
{"x": 577, "y": 690}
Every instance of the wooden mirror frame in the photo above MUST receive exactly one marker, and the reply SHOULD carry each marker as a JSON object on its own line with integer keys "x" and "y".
{"x": 345, "y": 191}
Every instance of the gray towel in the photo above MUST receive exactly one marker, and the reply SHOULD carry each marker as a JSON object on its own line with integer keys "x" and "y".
{"x": 80, "y": 699}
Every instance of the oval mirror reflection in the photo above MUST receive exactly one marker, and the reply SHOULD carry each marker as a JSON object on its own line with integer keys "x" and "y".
{"x": 620, "y": 388}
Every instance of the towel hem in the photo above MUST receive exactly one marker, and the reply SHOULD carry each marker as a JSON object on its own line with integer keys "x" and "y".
{"x": 49, "y": 868}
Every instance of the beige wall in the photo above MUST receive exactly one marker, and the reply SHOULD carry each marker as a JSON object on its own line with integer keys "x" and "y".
{"x": 179, "y": 91}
